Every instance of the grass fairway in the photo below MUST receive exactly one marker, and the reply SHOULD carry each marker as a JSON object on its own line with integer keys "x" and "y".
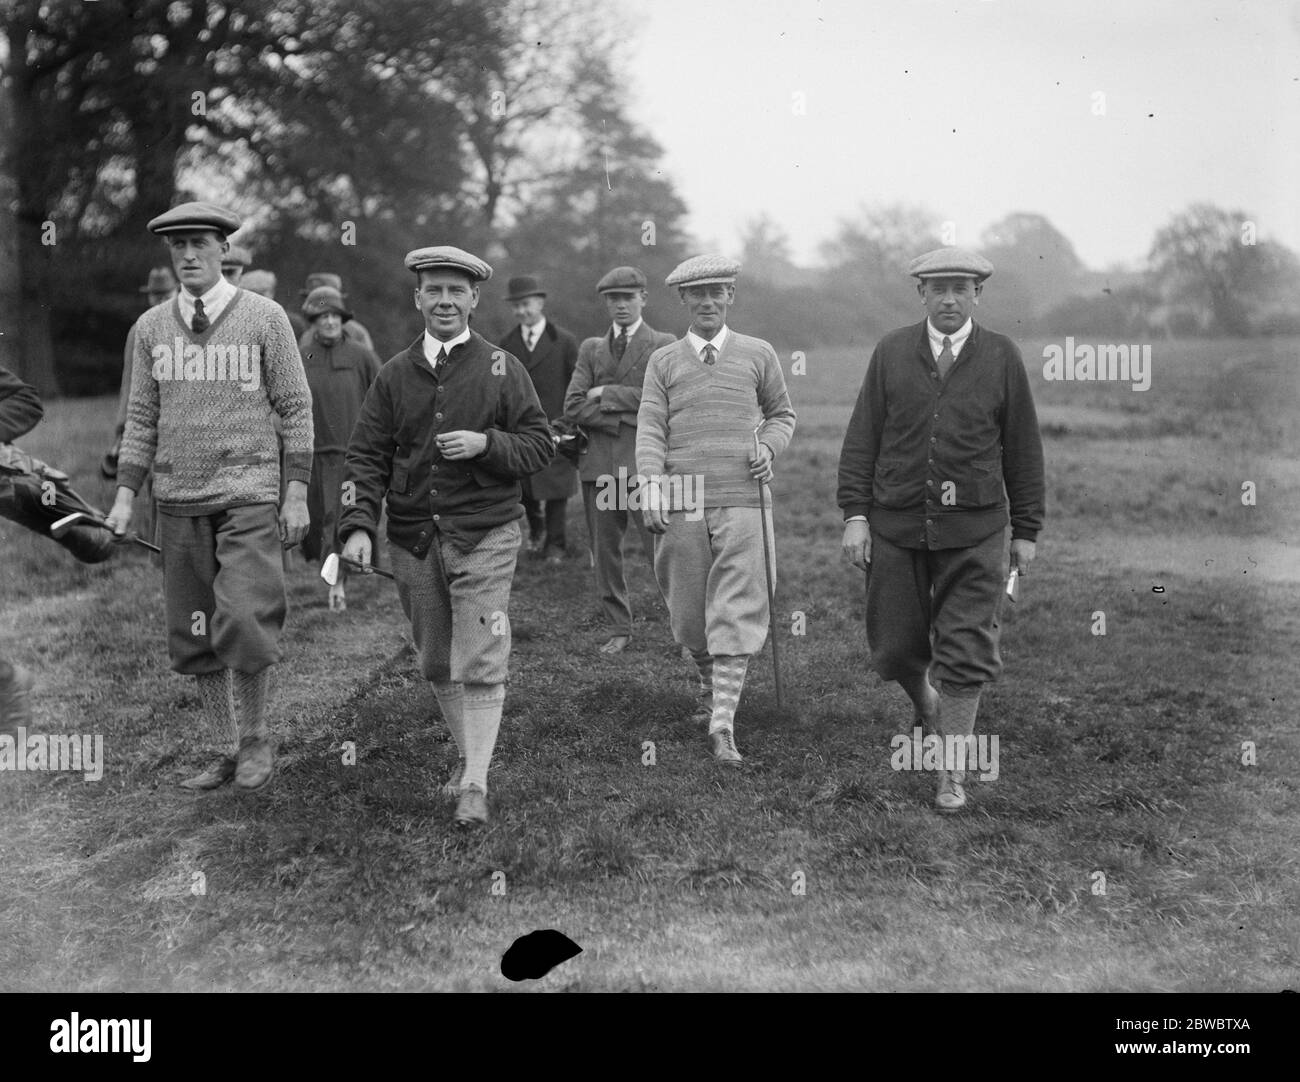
{"x": 1120, "y": 754}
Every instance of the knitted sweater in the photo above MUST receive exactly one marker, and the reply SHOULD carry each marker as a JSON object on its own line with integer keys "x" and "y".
{"x": 696, "y": 421}
{"x": 203, "y": 408}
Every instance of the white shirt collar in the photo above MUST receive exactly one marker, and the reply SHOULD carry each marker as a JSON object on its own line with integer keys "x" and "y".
{"x": 698, "y": 343}
{"x": 214, "y": 301}
{"x": 534, "y": 332}
{"x": 615, "y": 329}
{"x": 957, "y": 339}
{"x": 433, "y": 345}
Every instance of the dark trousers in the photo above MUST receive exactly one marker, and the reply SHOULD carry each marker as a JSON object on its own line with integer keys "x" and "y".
{"x": 548, "y": 516}
{"x": 936, "y": 609}
{"x": 608, "y": 529}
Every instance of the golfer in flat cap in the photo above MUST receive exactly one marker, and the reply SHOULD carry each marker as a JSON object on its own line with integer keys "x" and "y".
{"x": 339, "y": 373}
{"x": 941, "y": 452}
{"x": 447, "y": 431}
{"x": 212, "y": 369}
{"x": 604, "y": 397}
{"x": 703, "y": 400}
{"x": 549, "y": 353}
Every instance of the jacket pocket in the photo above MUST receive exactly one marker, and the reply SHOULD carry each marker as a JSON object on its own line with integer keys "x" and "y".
{"x": 986, "y": 478}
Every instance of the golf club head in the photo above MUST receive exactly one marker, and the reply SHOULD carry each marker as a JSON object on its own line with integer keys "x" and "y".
{"x": 61, "y": 527}
{"x": 329, "y": 569}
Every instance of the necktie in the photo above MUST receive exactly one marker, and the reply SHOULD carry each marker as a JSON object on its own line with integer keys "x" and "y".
{"x": 946, "y": 358}
{"x": 440, "y": 360}
{"x": 710, "y": 353}
{"x": 200, "y": 323}
{"x": 529, "y": 341}
{"x": 620, "y": 343}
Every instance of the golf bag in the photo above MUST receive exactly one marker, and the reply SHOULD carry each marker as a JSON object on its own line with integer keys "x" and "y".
{"x": 34, "y": 494}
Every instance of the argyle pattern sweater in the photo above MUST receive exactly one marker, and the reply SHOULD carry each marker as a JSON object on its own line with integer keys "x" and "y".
{"x": 203, "y": 408}
{"x": 698, "y": 420}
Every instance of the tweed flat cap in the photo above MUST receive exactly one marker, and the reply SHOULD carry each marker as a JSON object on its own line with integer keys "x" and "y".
{"x": 324, "y": 299}
{"x": 621, "y": 280}
{"x": 703, "y": 270}
{"x": 192, "y": 216}
{"x": 526, "y": 285}
{"x": 445, "y": 257}
{"x": 237, "y": 257}
{"x": 950, "y": 263}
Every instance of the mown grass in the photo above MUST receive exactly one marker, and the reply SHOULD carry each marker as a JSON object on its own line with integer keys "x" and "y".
{"x": 1120, "y": 756}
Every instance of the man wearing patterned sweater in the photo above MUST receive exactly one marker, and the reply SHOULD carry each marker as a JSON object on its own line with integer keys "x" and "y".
{"x": 212, "y": 371}
{"x": 702, "y": 398}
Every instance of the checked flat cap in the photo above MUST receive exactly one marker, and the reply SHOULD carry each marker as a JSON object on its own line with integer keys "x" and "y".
{"x": 445, "y": 257}
{"x": 621, "y": 280}
{"x": 703, "y": 270}
{"x": 950, "y": 263}
{"x": 193, "y": 216}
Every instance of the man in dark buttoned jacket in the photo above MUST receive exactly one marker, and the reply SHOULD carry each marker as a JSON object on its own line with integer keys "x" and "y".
{"x": 549, "y": 353}
{"x": 944, "y": 423}
{"x": 447, "y": 431}
{"x": 604, "y": 396}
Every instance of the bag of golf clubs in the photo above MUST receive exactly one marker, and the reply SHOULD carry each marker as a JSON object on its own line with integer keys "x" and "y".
{"x": 36, "y": 495}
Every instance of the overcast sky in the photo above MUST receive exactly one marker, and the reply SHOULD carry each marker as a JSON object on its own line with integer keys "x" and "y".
{"x": 973, "y": 109}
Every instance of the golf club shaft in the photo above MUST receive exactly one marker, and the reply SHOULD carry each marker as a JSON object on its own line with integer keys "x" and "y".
{"x": 365, "y": 569}
{"x": 93, "y": 520}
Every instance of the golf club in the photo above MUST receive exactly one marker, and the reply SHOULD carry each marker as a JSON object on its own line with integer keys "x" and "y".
{"x": 771, "y": 588}
{"x": 329, "y": 569}
{"x": 77, "y": 518}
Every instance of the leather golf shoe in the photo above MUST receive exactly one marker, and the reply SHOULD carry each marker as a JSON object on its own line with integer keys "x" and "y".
{"x": 218, "y": 774}
{"x": 471, "y": 809}
{"x": 451, "y": 787}
{"x": 952, "y": 795}
{"x": 724, "y": 747}
{"x": 255, "y": 764}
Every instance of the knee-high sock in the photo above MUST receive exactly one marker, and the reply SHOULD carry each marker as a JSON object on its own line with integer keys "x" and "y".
{"x": 217, "y": 700}
{"x": 451, "y": 701}
{"x": 482, "y": 713}
{"x": 704, "y": 663}
{"x": 958, "y": 706}
{"x": 251, "y": 690}
{"x": 728, "y": 679}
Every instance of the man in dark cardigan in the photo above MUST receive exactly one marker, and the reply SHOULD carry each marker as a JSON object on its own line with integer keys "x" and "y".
{"x": 550, "y": 354}
{"x": 447, "y": 431}
{"x": 942, "y": 451}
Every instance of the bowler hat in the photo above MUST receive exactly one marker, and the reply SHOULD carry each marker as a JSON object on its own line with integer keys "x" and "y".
{"x": 524, "y": 286}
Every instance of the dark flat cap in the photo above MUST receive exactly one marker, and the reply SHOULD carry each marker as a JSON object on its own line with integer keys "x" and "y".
{"x": 621, "y": 280}
{"x": 445, "y": 257}
{"x": 703, "y": 270}
{"x": 324, "y": 299}
{"x": 189, "y": 217}
{"x": 950, "y": 263}
{"x": 237, "y": 257}
{"x": 524, "y": 286}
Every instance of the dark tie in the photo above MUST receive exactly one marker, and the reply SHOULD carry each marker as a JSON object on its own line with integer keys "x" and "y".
{"x": 710, "y": 353}
{"x": 620, "y": 344}
{"x": 440, "y": 360}
{"x": 529, "y": 341}
{"x": 946, "y": 357}
{"x": 200, "y": 322}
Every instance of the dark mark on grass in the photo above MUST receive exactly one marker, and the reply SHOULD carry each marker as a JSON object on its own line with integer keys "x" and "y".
{"x": 531, "y": 957}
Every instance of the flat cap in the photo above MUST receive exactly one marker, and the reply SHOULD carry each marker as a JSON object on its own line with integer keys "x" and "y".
{"x": 621, "y": 280}
{"x": 703, "y": 270}
{"x": 321, "y": 278}
{"x": 324, "y": 299}
{"x": 192, "y": 216}
{"x": 237, "y": 257}
{"x": 161, "y": 279}
{"x": 445, "y": 257}
{"x": 259, "y": 281}
{"x": 950, "y": 263}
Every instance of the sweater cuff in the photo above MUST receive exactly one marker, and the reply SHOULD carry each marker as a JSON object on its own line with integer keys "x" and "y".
{"x": 856, "y": 510}
{"x": 855, "y": 518}
{"x": 131, "y": 476}
{"x": 1020, "y": 533}
{"x": 297, "y": 467}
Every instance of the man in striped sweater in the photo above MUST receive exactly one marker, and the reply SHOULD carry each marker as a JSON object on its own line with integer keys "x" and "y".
{"x": 213, "y": 369}
{"x": 702, "y": 399}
